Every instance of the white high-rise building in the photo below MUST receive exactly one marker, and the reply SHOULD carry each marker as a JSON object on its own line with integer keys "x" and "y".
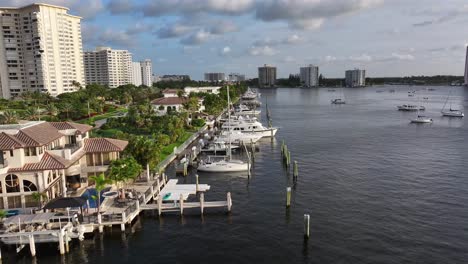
{"x": 266, "y": 76}
{"x": 137, "y": 80}
{"x": 236, "y": 77}
{"x": 147, "y": 72}
{"x": 40, "y": 50}
{"x": 109, "y": 67}
{"x": 214, "y": 77}
{"x": 309, "y": 76}
{"x": 355, "y": 78}
{"x": 466, "y": 67}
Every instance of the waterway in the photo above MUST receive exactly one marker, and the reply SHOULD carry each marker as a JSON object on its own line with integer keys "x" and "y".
{"x": 378, "y": 190}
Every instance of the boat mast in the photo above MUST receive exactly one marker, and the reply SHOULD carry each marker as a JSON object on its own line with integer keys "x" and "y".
{"x": 229, "y": 125}
{"x": 446, "y": 100}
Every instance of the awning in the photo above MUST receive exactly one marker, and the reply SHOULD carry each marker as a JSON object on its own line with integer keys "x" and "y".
{"x": 40, "y": 218}
{"x": 65, "y": 202}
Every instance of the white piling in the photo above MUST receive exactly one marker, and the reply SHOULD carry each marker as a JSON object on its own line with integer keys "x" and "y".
{"x": 185, "y": 169}
{"x": 99, "y": 219}
{"x": 295, "y": 170}
{"x": 67, "y": 245}
{"x": 229, "y": 201}
{"x": 138, "y": 206}
{"x": 181, "y": 204}
{"x": 158, "y": 184}
{"x": 202, "y": 202}
{"x": 61, "y": 245}
{"x": 306, "y": 225}
{"x": 124, "y": 219}
{"x": 159, "y": 204}
{"x": 288, "y": 196}
{"x": 32, "y": 245}
{"x": 147, "y": 172}
{"x": 196, "y": 182}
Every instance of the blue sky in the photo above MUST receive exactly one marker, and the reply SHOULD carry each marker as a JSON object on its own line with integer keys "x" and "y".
{"x": 386, "y": 37}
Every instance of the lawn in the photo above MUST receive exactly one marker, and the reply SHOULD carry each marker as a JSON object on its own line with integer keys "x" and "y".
{"x": 167, "y": 150}
{"x": 103, "y": 116}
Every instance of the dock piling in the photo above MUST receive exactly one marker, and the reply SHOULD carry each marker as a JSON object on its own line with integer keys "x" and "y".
{"x": 288, "y": 197}
{"x": 229, "y": 201}
{"x": 32, "y": 246}
{"x": 196, "y": 182}
{"x": 202, "y": 202}
{"x": 289, "y": 158}
{"x": 295, "y": 170}
{"x": 99, "y": 219}
{"x": 185, "y": 169}
{"x": 159, "y": 204}
{"x": 306, "y": 226}
{"x": 181, "y": 204}
{"x": 61, "y": 244}
{"x": 122, "y": 225}
{"x": 67, "y": 245}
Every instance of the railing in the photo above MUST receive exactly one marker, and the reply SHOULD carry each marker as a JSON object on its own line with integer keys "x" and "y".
{"x": 132, "y": 208}
{"x": 147, "y": 193}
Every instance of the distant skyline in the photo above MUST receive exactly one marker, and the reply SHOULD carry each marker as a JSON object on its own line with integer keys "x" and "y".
{"x": 385, "y": 37}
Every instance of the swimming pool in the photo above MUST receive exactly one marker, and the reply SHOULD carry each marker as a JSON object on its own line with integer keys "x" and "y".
{"x": 89, "y": 193}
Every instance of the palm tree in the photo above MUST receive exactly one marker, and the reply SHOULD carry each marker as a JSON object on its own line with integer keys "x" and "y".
{"x": 39, "y": 197}
{"x": 123, "y": 170}
{"x": 67, "y": 107}
{"x": 52, "y": 110}
{"x": 100, "y": 183}
{"x": 32, "y": 114}
{"x": 9, "y": 117}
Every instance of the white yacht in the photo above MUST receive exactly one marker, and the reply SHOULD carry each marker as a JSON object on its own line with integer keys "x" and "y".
{"x": 245, "y": 110}
{"x": 251, "y": 126}
{"x": 250, "y": 95}
{"x": 408, "y": 107}
{"x": 237, "y": 137}
{"x": 421, "y": 120}
{"x": 218, "y": 146}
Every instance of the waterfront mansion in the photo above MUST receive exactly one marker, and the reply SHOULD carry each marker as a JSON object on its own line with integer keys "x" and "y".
{"x": 55, "y": 158}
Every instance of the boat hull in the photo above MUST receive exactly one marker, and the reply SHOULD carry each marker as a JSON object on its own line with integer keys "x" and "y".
{"x": 453, "y": 114}
{"x": 227, "y": 166}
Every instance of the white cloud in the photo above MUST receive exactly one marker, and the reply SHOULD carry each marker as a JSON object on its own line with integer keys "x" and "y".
{"x": 360, "y": 58}
{"x": 400, "y": 56}
{"x": 85, "y": 8}
{"x": 173, "y": 31}
{"x": 262, "y": 51}
{"x": 197, "y": 38}
{"x": 225, "y": 51}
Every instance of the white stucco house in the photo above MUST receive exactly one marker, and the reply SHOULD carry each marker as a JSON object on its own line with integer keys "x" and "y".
{"x": 207, "y": 89}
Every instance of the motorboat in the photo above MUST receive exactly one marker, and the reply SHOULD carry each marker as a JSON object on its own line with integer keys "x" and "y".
{"x": 250, "y": 95}
{"x": 421, "y": 120}
{"x": 238, "y": 137}
{"x": 224, "y": 165}
{"x": 245, "y": 110}
{"x": 218, "y": 146}
{"x": 408, "y": 107}
{"x": 338, "y": 101}
{"x": 251, "y": 126}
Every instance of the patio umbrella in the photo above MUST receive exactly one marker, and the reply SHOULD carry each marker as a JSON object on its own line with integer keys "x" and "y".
{"x": 65, "y": 202}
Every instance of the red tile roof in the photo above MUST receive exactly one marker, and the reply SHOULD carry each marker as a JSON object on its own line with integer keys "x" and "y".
{"x": 169, "y": 101}
{"x": 48, "y": 162}
{"x": 171, "y": 91}
{"x": 8, "y": 142}
{"x": 38, "y": 135}
{"x": 70, "y": 125}
{"x": 93, "y": 145}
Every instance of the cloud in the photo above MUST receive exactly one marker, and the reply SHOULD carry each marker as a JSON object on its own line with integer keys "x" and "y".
{"x": 119, "y": 6}
{"x": 95, "y": 36}
{"x": 188, "y": 7}
{"x": 330, "y": 58}
{"x": 400, "y": 56}
{"x": 441, "y": 15}
{"x": 139, "y": 28}
{"x": 262, "y": 51}
{"x": 308, "y": 14}
{"x": 293, "y": 39}
{"x": 173, "y": 31}
{"x": 289, "y": 40}
{"x": 225, "y": 51}
{"x": 222, "y": 27}
{"x": 85, "y": 8}
{"x": 360, "y": 58}
{"x": 288, "y": 59}
{"x": 196, "y": 38}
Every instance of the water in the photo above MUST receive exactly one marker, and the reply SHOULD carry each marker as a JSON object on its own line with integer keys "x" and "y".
{"x": 378, "y": 189}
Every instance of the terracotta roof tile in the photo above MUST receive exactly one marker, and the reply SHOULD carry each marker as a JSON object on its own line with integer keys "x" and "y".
{"x": 48, "y": 162}
{"x": 169, "y": 101}
{"x": 70, "y": 125}
{"x": 93, "y": 145}
{"x": 171, "y": 91}
{"x": 9, "y": 142}
{"x": 38, "y": 135}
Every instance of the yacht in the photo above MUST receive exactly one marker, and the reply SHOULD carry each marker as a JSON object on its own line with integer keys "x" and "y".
{"x": 223, "y": 165}
{"x": 237, "y": 137}
{"x": 408, "y": 107}
{"x": 245, "y": 110}
{"x": 453, "y": 113}
{"x": 421, "y": 120}
{"x": 338, "y": 101}
{"x": 250, "y": 95}
{"x": 251, "y": 126}
{"x": 218, "y": 146}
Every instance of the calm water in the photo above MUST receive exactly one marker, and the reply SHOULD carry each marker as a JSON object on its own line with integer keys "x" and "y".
{"x": 378, "y": 189}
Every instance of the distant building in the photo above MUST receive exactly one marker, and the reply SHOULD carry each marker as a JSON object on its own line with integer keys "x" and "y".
{"x": 209, "y": 89}
{"x": 466, "y": 67}
{"x": 266, "y": 76}
{"x": 109, "y": 67}
{"x": 214, "y": 77}
{"x": 236, "y": 77}
{"x": 170, "y": 92}
{"x": 40, "y": 50}
{"x": 309, "y": 76}
{"x": 173, "y": 77}
{"x": 173, "y": 104}
{"x": 355, "y": 78}
{"x": 137, "y": 80}
{"x": 146, "y": 72}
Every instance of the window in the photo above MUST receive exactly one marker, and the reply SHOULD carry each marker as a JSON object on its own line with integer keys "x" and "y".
{"x": 29, "y": 186}
{"x": 12, "y": 183}
{"x": 30, "y": 151}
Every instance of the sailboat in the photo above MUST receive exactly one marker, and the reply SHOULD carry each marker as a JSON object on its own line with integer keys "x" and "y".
{"x": 420, "y": 119}
{"x": 227, "y": 164}
{"x": 451, "y": 112}
{"x": 338, "y": 100}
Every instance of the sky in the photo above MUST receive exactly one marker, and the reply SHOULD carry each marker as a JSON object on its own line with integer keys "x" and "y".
{"x": 386, "y": 37}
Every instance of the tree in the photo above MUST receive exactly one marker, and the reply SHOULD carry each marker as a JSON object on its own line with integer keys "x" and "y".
{"x": 100, "y": 183}
{"x": 123, "y": 170}
{"x": 9, "y": 117}
{"x": 67, "y": 108}
{"x": 3, "y": 214}
{"x": 144, "y": 150}
{"x": 39, "y": 197}
{"x": 32, "y": 113}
